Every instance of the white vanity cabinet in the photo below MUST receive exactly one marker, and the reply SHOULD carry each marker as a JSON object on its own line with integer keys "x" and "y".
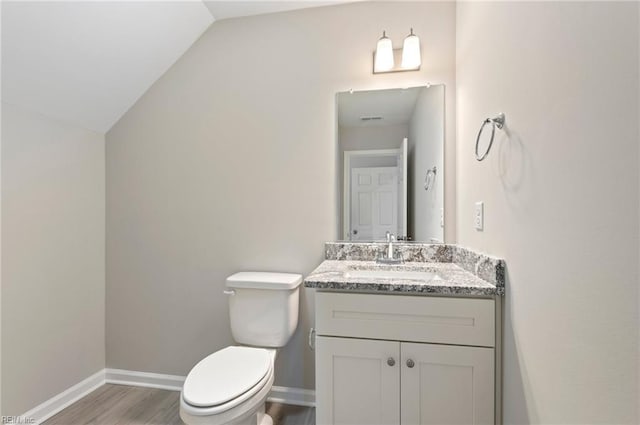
{"x": 356, "y": 382}
{"x": 402, "y": 359}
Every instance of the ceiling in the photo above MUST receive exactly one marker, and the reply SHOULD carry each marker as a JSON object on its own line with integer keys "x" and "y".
{"x": 233, "y": 9}
{"x": 394, "y": 106}
{"x": 88, "y": 62}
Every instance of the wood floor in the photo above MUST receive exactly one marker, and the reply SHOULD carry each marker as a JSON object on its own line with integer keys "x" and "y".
{"x": 124, "y": 405}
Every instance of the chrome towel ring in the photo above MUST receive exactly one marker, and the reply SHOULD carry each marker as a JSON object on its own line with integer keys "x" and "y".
{"x": 430, "y": 178}
{"x": 498, "y": 121}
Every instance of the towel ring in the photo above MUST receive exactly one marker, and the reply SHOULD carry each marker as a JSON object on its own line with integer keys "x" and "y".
{"x": 429, "y": 178}
{"x": 498, "y": 121}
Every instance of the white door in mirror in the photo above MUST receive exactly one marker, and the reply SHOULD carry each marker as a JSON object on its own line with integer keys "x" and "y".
{"x": 374, "y": 202}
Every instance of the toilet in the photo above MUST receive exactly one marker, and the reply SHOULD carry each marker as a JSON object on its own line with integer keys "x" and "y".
{"x": 231, "y": 385}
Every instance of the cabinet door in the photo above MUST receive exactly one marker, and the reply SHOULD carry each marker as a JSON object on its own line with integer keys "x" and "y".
{"x": 357, "y": 381}
{"x": 447, "y": 384}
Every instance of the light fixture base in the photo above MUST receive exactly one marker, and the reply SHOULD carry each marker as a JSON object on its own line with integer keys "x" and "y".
{"x": 397, "y": 60}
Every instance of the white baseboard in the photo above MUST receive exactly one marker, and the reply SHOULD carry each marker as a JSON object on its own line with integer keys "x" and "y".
{"x": 285, "y": 395}
{"x": 42, "y": 412}
{"x": 295, "y": 396}
{"x": 69, "y": 396}
{"x": 144, "y": 379}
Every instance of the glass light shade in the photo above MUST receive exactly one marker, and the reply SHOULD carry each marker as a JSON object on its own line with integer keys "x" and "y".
{"x": 384, "y": 54}
{"x": 411, "y": 52}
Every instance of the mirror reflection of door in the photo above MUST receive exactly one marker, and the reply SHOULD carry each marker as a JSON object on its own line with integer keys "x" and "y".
{"x": 374, "y": 202}
{"x": 375, "y": 193}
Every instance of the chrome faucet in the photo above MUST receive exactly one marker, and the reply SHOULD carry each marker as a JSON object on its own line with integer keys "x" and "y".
{"x": 390, "y": 258}
{"x": 390, "y": 240}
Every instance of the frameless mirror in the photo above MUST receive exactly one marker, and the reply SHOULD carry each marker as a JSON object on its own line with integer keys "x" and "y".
{"x": 391, "y": 164}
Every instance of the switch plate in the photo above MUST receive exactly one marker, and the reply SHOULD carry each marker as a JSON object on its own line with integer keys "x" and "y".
{"x": 478, "y": 217}
{"x": 441, "y": 217}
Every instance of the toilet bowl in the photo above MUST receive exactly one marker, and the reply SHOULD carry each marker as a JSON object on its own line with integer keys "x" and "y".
{"x": 231, "y": 386}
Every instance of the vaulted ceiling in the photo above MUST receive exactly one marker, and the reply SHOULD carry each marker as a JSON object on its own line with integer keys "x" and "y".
{"x": 233, "y": 9}
{"x": 88, "y": 62}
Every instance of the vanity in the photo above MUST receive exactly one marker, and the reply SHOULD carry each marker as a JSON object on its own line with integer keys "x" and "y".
{"x": 411, "y": 343}
{"x": 405, "y": 333}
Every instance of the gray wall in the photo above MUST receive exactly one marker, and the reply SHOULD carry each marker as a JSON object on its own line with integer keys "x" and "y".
{"x": 561, "y": 198}
{"x": 426, "y": 150}
{"x": 228, "y": 163}
{"x": 53, "y": 285}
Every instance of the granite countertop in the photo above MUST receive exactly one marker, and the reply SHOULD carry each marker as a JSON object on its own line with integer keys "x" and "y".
{"x": 450, "y": 280}
{"x": 459, "y": 271}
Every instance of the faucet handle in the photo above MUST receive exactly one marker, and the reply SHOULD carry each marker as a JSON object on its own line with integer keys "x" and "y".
{"x": 388, "y": 236}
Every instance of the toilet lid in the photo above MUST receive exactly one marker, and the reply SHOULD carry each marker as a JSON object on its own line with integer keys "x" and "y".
{"x": 224, "y": 375}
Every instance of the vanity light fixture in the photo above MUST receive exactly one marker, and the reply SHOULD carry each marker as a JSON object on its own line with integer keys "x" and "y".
{"x": 387, "y": 59}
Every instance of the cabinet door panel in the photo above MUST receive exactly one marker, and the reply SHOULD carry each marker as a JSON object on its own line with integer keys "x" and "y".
{"x": 447, "y": 385}
{"x": 355, "y": 384}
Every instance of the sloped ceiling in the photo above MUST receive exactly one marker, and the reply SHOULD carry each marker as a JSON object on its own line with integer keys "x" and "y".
{"x": 88, "y": 62}
{"x": 234, "y": 9}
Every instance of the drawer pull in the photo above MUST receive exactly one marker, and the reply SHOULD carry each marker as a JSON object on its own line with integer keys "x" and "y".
{"x": 391, "y": 361}
{"x": 410, "y": 363}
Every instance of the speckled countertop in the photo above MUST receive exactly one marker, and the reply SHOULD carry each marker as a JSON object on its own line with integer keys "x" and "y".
{"x": 461, "y": 272}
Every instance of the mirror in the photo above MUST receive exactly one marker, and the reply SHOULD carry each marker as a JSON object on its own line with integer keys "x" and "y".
{"x": 391, "y": 164}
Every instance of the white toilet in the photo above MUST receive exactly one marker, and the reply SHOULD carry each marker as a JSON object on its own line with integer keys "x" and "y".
{"x": 231, "y": 386}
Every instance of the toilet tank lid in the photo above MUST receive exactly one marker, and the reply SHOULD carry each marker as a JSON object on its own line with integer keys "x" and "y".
{"x": 264, "y": 280}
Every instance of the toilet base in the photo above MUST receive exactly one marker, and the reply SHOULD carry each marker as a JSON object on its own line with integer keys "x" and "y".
{"x": 263, "y": 418}
{"x": 260, "y": 418}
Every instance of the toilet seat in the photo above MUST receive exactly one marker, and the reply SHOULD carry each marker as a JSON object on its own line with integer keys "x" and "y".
{"x": 226, "y": 379}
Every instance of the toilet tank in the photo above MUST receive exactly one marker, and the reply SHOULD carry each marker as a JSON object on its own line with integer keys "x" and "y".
{"x": 263, "y": 307}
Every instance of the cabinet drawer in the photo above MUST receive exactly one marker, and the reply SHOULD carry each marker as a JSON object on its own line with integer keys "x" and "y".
{"x": 461, "y": 321}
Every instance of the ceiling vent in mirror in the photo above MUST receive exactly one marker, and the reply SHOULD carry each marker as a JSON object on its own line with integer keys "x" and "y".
{"x": 370, "y": 118}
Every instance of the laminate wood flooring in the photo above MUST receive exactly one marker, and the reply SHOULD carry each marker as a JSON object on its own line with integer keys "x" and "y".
{"x": 125, "y": 405}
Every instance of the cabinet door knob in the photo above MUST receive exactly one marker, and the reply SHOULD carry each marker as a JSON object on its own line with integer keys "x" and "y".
{"x": 410, "y": 363}
{"x": 391, "y": 361}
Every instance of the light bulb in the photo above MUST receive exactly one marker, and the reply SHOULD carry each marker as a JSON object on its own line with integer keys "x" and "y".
{"x": 384, "y": 54}
{"x": 411, "y": 52}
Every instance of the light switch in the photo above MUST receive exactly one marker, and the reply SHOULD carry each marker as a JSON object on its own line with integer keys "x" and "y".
{"x": 441, "y": 217}
{"x": 478, "y": 217}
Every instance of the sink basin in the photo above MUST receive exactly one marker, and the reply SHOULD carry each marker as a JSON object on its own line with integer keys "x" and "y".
{"x": 391, "y": 274}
